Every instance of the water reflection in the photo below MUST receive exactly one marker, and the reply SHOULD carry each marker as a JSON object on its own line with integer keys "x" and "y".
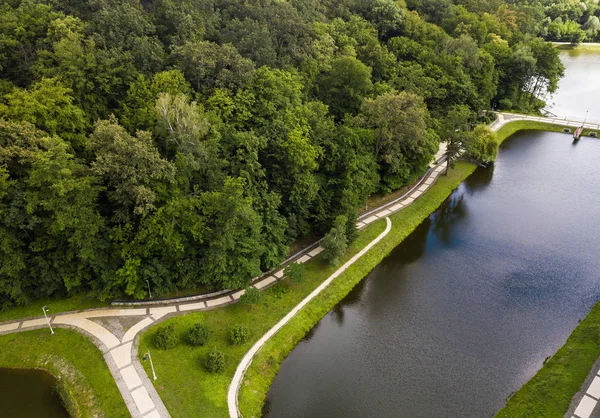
{"x": 465, "y": 310}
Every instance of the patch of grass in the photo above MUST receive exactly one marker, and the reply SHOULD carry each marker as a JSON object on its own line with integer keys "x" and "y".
{"x": 73, "y": 303}
{"x": 548, "y": 394}
{"x": 189, "y": 390}
{"x": 521, "y": 125}
{"x": 85, "y": 383}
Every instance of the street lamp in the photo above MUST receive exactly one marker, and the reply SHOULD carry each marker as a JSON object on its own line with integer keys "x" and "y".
{"x": 46, "y": 309}
{"x": 146, "y": 357}
{"x": 149, "y": 292}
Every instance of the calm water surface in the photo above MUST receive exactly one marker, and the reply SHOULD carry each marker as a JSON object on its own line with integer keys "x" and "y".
{"x": 466, "y": 310}
{"x": 579, "y": 90}
{"x": 29, "y": 394}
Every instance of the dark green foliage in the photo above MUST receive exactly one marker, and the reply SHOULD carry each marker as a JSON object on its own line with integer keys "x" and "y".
{"x": 189, "y": 144}
{"x": 335, "y": 242}
{"x": 198, "y": 335}
{"x": 165, "y": 337}
{"x": 251, "y": 296}
{"x": 214, "y": 361}
{"x": 238, "y": 334}
{"x": 296, "y": 272}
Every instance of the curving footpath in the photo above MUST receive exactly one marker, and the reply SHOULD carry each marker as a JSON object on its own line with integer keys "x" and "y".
{"x": 232, "y": 394}
{"x": 115, "y": 331}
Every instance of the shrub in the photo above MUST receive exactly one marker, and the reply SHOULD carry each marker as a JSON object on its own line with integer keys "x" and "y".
{"x": 280, "y": 290}
{"x": 239, "y": 334}
{"x": 251, "y": 297}
{"x": 215, "y": 361}
{"x": 335, "y": 242}
{"x": 198, "y": 335}
{"x": 165, "y": 337}
{"x": 296, "y": 272}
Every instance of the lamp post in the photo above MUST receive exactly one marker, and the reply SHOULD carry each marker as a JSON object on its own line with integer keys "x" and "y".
{"x": 46, "y": 309}
{"x": 151, "y": 364}
{"x": 149, "y": 292}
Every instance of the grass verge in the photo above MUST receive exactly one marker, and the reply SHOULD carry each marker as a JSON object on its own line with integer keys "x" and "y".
{"x": 73, "y": 303}
{"x": 85, "y": 383}
{"x": 548, "y": 394}
{"x": 520, "y": 125}
{"x": 188, "y": 390}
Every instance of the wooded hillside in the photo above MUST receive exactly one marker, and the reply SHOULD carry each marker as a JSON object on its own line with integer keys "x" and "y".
{"x": 189, "y": 142}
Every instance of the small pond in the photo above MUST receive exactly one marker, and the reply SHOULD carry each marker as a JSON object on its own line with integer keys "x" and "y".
{"x": 29, "y": 394}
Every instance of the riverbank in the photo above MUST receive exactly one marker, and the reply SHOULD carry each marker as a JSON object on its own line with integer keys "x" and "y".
{"x": 265, "y": 366}
{"x": 513, "y": 127}
{"x": 187, "y": 389}
{"x": 85, "y": 383}
{"x": 549, "y": 393}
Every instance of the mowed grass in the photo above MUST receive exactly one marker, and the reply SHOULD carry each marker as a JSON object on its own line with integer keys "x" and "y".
{"x": 73, "y": 303}
{"x": 188, "y": 390}
{"x": 85, "y": 383}
{"x": 548, "y": 394}
{"x": 521, "y": 125}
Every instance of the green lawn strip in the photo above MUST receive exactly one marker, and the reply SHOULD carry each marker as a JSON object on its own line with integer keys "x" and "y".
{"x": 265, "y": 365}
{"x": 85, "y": 383}
{"x": 548, "y": 394}
{"x": 520, "y": 125}
{"x": 185, "y": 387}
{"x": 73, "y": 303}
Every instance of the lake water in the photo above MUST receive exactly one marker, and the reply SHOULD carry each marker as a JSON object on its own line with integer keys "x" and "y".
{"x": 579, "y": 90}
{"x": 29, "y": 394}
{"x": 465, "y": 311}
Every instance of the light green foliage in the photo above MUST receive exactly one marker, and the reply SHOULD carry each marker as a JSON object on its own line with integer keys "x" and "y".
{"x": 238, "y": 334}
{"x": 335, "y": 241}
{"x": 296, "y": 272}
{"x": 483, "y": 144}
{"x": 49, "y": 106}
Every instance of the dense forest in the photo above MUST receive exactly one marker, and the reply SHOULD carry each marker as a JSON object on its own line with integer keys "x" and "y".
{"x": 571, "y": 21}
{"x": 190, "y": 142}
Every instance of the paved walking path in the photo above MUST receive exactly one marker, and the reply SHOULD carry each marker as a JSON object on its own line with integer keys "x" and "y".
{"x": 116, "y": 330}
{"x": 586, "y": 403}
{"x": 234, "y": 387}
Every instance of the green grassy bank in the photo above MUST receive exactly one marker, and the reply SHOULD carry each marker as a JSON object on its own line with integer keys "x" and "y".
{"x": 548, "y": 394}
{"x": 73, "y": 303}
{"x": 85, "y": 383}
{"x": 188, "y": 390}
{"x": 522, "y": 125}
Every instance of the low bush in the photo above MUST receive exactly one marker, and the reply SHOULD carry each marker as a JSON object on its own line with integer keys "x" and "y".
{"x": 238, "y": 334}
{"x": 251, "y": 296}
{"x": 165, "y": 337}
{"x": 215, "y": 361}
{"x": 296, "y": 272}
{"x": 198, "y": 335}
{"x": 280, "y": 290}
